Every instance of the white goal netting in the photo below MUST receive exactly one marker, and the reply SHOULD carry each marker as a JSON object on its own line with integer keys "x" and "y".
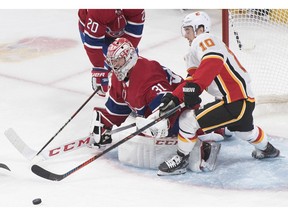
{"x": 259, "y": 38}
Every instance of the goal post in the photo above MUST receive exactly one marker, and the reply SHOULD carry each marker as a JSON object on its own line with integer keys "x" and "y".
{"x": 259, "y": 38}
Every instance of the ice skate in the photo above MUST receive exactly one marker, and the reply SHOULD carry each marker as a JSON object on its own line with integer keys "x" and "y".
{"x": 269, "y": 152}
{"x": 175, "y": 166}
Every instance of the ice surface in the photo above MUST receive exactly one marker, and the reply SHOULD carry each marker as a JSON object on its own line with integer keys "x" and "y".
{"x": 41, "y": 88}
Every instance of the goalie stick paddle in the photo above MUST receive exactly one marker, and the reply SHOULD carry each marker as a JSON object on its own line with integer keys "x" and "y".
{"x": 30, "y": 153}
{"x": 55, "y": 177}
{"x": 80, "y": 108}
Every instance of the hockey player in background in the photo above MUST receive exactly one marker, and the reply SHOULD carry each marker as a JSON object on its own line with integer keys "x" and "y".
{"x": 99, "y": 28}
{"x": 211, "y": 66}
{"x": 137, "y": 86}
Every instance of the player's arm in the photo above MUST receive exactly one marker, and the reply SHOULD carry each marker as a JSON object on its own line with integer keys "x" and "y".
{"x": 94, "y": 44}
{"x": 82, "y": 13}
{"x": 211, "y": 63}
{"x": 115, "y": 113}
{"x": 153, "y": 95}
{"x": 190, "y": 90}
{"x": 94, "y": 35}
{"x": 135, "y": 24}
{"x": 117, "y": 109}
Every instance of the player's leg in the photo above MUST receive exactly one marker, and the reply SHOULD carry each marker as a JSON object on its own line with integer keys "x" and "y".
{"x": 187, "y": 138}
{"x": 208, "y": 118}
{"x": 245, "y": 130}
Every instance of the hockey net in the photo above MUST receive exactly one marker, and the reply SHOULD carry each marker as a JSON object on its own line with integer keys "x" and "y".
{"x": 259, "y": 38}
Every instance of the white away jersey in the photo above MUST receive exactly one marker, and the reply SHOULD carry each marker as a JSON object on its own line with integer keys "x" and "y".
{"x": 216, "y": 69}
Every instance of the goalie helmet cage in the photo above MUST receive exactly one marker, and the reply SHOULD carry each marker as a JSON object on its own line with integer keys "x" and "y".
{"x": 259, "y": 39}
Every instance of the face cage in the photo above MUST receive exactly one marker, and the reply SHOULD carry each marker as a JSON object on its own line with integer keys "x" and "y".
{"x": 121, "y": 72}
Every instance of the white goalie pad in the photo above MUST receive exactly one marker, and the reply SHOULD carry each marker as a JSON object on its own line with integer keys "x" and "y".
{"x": 149, "y": 152}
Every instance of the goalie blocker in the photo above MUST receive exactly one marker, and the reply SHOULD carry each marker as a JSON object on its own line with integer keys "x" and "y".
{"x": 149, "y": 152}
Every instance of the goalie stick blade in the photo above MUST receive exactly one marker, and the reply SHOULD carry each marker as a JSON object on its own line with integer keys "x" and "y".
{"x": 19, "y": 144}
{"x": 4, "y": 166}
{"x": 46, "y": 174}
{"x": 30, "y": 154}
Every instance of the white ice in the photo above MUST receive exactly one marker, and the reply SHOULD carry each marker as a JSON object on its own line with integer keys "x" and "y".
{"x": 38, "y": 94}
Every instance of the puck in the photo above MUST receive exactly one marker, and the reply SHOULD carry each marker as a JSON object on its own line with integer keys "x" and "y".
{"x": 37, "y": 201}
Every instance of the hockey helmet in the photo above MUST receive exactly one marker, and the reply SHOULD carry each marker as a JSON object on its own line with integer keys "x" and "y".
{"x": 121, "y": 49}
{"x": 197, "y": 19}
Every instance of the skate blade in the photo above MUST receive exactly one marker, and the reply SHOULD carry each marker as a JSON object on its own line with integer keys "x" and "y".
{"x": 210, "y": 164}
{"x": 4, "y": 166}
{"x": 176, "y": 172}
{"x": 257, "y": 157}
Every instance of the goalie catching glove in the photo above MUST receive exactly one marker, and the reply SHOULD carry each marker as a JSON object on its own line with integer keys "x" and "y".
{"x": 158, "y": 130}
{"x": 100, "y": 130}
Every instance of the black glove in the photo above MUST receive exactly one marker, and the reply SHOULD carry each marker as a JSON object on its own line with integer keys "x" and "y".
{"x": 168, "y": 102}
{"x": 191, "y": 94}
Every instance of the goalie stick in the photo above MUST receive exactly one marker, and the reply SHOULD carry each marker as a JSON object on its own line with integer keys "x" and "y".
{"x": 4, "y": 166}
{"x": 30, "y": 153}
{"x": 56, "y": 177}
{"x": 80, "y": 108}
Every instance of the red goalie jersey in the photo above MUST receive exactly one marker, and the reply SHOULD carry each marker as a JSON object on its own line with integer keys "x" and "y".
{"x": 147, "y": 84}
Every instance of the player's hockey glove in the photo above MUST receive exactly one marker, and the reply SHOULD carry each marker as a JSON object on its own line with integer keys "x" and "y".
{"x": 168, "y": 102}
{"x": 191, "y": 93}
{"x": 100, "y": 79}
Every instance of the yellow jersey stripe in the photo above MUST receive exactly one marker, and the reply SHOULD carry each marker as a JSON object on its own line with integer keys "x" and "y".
{"x": 230, "y": 121}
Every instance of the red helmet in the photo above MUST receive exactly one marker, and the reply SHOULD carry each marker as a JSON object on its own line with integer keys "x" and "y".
{"x": 121, "y": 49}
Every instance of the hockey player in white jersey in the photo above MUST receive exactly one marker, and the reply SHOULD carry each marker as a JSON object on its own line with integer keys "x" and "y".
{"x": 211, "y": 66}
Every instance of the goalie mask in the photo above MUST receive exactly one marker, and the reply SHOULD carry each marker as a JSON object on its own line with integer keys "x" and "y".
{"x": 121, "y": 57}
{"x": 196, "y": 20}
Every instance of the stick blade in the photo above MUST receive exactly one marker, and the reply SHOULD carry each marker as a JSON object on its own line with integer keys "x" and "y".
{"x": 19, "y": 144}
{"x": 4, "y": 166}
{"x": 46, "y": 174}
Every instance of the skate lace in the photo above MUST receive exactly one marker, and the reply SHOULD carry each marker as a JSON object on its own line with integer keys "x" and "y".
{"x": 173, "y": 162}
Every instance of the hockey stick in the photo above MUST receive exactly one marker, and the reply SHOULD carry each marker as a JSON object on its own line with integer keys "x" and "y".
{"x": 80, "y": 108}
{"x": 4, "y": 166}
{"x": 55, "y": 177}
{"x": 30, "y": 153}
